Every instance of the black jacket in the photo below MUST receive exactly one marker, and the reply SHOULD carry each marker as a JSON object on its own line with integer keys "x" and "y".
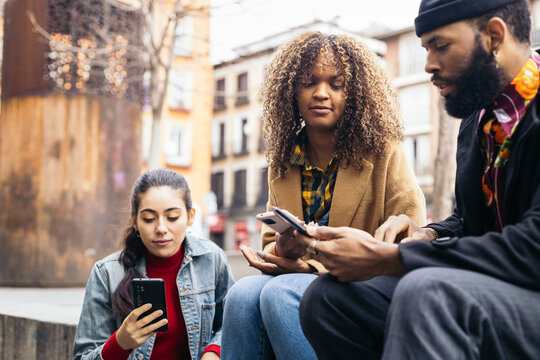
{"x": 514, "y": 254}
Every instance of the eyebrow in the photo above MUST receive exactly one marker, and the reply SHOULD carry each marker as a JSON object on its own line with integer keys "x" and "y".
{"x": 431, "y": 40}
{"x": 155, "y": 212}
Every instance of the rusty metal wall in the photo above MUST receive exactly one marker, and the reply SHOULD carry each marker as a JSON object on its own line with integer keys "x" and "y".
{"x": 67, "y": 164}
{"x": 23, "y": 52}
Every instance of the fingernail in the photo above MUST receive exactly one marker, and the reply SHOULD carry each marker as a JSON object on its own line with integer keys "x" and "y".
{"x": 148, "y": 306}
{"x": 261, "y": 254}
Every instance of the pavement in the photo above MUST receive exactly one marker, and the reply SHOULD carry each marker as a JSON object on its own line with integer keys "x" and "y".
{"x": 63, "y": 305}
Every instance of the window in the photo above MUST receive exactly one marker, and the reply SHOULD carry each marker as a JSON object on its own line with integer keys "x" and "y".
{"x": 180, "y": 89}
{"x": 183, "y": 44}
{"x": 239, "y": 195}
{"x": 262, "y": 143}
{"x": 241, "y": 133}
{"x": 412, "y": 57}
{"x": 218, "y": 139}
{"x": 242, "y": 89}
{"x": 217, "y": 186}
{"x": 219, "y": 98}
{"x": 418, "y": 151}
{"x": 262, "y": 196}
{"x": 536, "y": 13}
{"x": 414, "y": 102}
{"x": 178, "y": 145}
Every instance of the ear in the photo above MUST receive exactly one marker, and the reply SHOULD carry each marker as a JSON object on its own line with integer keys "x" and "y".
{"x": 191, "y": 217}
{"x": 133, "y": 222}
{"x": 497, "y": 31}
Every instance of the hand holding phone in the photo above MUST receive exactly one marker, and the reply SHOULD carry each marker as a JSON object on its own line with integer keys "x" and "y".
{"x": 150, "y": 291}
{"x": 291, "y": 220}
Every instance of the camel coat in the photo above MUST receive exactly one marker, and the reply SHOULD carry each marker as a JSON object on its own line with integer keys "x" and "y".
{"x": 363, "y": 197}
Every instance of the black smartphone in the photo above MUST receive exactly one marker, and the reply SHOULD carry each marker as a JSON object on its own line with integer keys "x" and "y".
{"x": 150, "y": 291}
{"x": 285, "y": 215}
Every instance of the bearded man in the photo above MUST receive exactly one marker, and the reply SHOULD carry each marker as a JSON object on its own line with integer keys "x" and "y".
{"x": 467, "y": 287}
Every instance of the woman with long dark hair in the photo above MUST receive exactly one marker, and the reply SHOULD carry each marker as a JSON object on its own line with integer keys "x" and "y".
{"x": 196, "y": 274}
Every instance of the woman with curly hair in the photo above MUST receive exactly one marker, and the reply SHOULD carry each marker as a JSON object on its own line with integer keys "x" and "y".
{"x": 333, "y": 147}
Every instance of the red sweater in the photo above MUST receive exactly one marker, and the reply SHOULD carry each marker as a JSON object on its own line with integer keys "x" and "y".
{"x": 173, "y": 343}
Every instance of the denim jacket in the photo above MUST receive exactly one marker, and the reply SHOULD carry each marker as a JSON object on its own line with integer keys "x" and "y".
{"x": 203, "y": 280}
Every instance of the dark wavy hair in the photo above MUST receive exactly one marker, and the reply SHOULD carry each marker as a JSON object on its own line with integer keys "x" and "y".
{"x": 134, "y": 248}
{"x": 517, "y": 17}
{"x": 369, "y": 121}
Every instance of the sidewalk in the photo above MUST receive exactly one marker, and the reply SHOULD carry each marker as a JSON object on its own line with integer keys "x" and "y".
{"x": 63, "y": 305}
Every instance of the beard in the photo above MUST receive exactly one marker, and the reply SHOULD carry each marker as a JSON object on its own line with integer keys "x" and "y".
{"x": 476, "y": 87}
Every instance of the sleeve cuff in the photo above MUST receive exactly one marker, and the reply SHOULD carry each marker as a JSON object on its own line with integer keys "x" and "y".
{"x": 317, "y": 265}
{"x": 270, "y": 248}
{"x": 111, "y": 350}
{"x": 213, "y": 348}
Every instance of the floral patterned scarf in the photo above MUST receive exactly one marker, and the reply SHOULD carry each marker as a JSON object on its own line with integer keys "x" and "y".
{"x": 495, "y": 133}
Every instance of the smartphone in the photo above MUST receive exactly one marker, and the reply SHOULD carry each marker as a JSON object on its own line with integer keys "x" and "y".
{"x": 273, "y": 221}
{"x": 150, "y": 291}
{"x": 285, "y": 215}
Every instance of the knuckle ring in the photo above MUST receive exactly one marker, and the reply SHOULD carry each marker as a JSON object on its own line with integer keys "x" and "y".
{"x": 311, "y": 247}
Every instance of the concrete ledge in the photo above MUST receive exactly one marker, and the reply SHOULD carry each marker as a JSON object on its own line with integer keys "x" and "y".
{"x": 40, "y": 323}
{"x": 29, "y": 339}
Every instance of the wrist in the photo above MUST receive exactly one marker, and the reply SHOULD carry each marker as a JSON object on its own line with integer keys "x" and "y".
{"x": 432, "y": 233}
{"x": 392, "y": 265}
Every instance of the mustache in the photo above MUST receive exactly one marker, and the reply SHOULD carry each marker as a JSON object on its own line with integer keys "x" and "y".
{"x": 443, "y": 78}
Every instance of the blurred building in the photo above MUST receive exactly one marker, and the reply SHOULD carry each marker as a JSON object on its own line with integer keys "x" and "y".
{"x": 239, "y": 170}
{"x": 187, "y": 113}
{"x": 405, "y": 60}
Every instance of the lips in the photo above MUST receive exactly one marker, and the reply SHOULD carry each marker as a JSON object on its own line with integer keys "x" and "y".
{"x": 444, "y": 87}
{"x": 320, "y": 109}
{"x": 161, "y": 243}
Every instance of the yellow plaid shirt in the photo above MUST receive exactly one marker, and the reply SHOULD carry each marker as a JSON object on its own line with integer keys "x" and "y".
{"x": 317, "y": 184}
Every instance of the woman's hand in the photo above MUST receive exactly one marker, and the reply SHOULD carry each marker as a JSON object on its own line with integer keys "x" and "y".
{"x": 210, "y": 355}
{"x": 275, "y": 265}
{"x": 287, "y": 245}
{"x": 132, "y": 333}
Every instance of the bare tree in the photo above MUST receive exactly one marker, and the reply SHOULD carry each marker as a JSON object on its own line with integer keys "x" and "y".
{"x": 445, "y": 166}
{"x": 92, "y": 51}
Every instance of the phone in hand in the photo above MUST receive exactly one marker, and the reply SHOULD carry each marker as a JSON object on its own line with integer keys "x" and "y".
{"x": 150, "y": 291}
{"x": 273, "y": 221}
{"x": 286, "y": 216}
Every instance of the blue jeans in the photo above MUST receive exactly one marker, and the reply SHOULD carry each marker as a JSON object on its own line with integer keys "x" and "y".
{"x": 262, "y": 310}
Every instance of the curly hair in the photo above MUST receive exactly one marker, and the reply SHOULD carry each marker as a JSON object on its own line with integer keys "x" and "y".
{"x": 369, "y": 121}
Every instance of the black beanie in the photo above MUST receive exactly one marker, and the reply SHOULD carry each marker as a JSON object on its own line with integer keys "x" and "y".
{"x": 436, "y": 13}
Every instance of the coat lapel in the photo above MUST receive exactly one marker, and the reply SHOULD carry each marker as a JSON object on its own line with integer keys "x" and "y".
{"x": 348, "y": 192}
{"x": 288, "y": 191}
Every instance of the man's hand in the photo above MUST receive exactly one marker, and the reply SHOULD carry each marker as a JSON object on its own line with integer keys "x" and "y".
{"x": 287, "y": 245}
{"x": 275, "y": 265}
{"x": 402, "y": 229}
{"x": 352, "y": 254}
{"x": 133, "y": 333}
